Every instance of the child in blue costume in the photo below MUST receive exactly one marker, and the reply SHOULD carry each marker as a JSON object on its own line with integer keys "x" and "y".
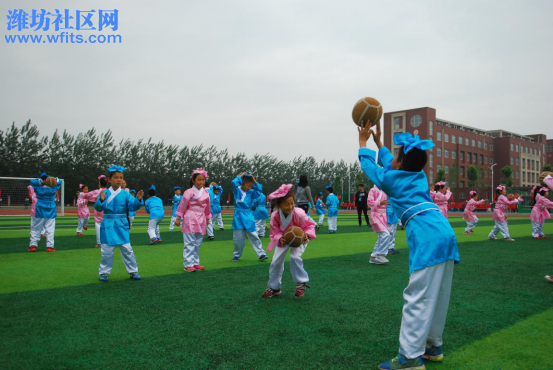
{"x": 154, "y": 206}
{"x": 261, "y": 214}
{"x": 321, "y": 210}
{"x": 332, "y": 203}
{"x": 176, "y": 201}
{"x": 116, "y": 203}
{"x": 245, "y": 190}
{"x": 215, "y": 192}
{"x": 391, "y": 217}
{"x": 45, "y": 212}
{"x": 431, "y": 240}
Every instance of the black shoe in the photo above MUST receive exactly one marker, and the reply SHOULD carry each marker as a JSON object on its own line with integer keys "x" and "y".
{"x": 210, "y": 237}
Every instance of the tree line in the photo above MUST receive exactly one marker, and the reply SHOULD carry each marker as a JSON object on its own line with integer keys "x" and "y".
{"x": 82, "y": 158}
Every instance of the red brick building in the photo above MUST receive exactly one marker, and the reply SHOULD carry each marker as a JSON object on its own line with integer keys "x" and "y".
{"x": 460, "y": 146}
{"x": 549, "y": 152}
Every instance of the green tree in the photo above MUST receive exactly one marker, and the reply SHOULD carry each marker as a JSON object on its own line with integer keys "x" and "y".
{"x": 507, "y": 179}
{"x": 547, "y": 167}
{"x": 472, "y": 176}
{"x": 440, "y": 175}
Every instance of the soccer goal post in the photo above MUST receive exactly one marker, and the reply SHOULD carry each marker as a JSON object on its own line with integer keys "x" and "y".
{"x": 15, "y": 199}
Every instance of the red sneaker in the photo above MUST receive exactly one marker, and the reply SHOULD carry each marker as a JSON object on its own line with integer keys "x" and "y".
{"x": 50, "y": 249}
{"x": 190, "y": 269}
{"x": 85, "y": 227}
{"x": 300, "y": 289}
{"x": 32, "y": 248}
{"x": 98, "y": 246}
{"x": 544, "y": 237}
{"x": 536, "y": 237}
{"x": 271, "y": 292}
{"x": 42, "y": 235}
{"x": 199, "y": 267}
{"x": 79, "y": 234}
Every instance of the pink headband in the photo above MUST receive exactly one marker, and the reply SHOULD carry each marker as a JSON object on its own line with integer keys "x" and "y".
{"x": 101, "y": 177}
{"x": 199, "y": 171}
{"x": 544, "y": 189}
{"x": 81, "y": 186}
{"x": 280, "y": 192}
{"x": 472, "y": 192}
{"x": 500, "y": 187}
{"x": 440, "y": 183}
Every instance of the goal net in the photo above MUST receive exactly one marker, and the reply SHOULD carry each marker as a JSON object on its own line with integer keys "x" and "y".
{"x": 16, "y": 200}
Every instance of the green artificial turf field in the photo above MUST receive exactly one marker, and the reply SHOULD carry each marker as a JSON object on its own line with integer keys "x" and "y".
{"x": 55, "y": 314}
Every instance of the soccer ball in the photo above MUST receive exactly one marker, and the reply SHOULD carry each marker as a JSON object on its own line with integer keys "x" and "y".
{"x": 293, "y": 236}
{"x": 367, "y": 109}
{"x": 51, "y": 182}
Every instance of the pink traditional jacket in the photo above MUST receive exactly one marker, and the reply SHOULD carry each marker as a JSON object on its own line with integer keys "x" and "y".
{"x": 82, "y": 206}
{"x": 441, "y": 201}
{"x": 279, "y": 224}
{"x": 540, "y": 212}
{"x": 433, "y": 195}
{"x": 469, "y": 215}
{"x": 379, "y": 219}
{"x": 32, "y": 195}
{"x": 92, "y": 196}
{"x": 501, "y": 206}
{"x": 195, "y": 210}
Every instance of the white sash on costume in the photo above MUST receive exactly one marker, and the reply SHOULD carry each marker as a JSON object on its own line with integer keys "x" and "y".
{"x": 285, "y": 221}
{"x": 241, "y": 200}
{"x": 198, "y": 192}
{"x": 113, "y": 194}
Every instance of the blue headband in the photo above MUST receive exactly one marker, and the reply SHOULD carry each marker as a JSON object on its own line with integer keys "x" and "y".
{"x": 328, "y": 186}
{"x": 409, "y": 142}
{"x": 175, "y": 188}
{"x": 321, "y": 193}
{"x": 44, "y": 174}
{"x": 152, "y": 187}
{"x": 116, "y": 168}
{"x": 133, "y": 191}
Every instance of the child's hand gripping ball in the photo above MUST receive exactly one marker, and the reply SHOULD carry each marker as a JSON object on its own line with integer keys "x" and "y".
{"x": 293, "y": 236}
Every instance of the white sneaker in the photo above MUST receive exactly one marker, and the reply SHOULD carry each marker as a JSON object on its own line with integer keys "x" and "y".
{"x": 377, "y": 261}
{"x": 492, "y": 238}
{"x": 509, "y": 239}
{"x": 383, "y": 259}
{"x": 549, "y": 278}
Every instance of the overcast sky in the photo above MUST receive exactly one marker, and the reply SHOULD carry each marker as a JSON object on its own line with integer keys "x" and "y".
{"x": 281, "y": 77}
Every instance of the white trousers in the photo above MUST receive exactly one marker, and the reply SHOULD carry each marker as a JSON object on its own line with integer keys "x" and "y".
{"x": 261, "y": 225}
{"x": 40, "y": 225}
{"x": 191, "y": 251}
{"x": 83, "y": 222}
{"x": 426, "y": 301}
{"x": 97, "y": 226}
{"x": 537, "y": 229}
{"x": 382, "y": 244}
{"x": 500, "y": 226}
{"x": 172, "y": 224}
{"x": 321, "y": 219}
{"x": 127, "y": 255}
{"x": 239, "y": 239}
{"x": 33, "y": 220}
{"x": 153, "y": 228}
{"x": 392, "y": 238}
{"x": 333, "y": 223}
{"x": 131, "y": 219}
{"x": 296, "y": 266}
{"x": 471, "y": 225}
{"x": 216, "y": 218}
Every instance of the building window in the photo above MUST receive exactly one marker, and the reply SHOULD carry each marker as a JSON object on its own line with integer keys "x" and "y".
{"x": 481, "y": 159}
{"x": 446, "y": 169}
{"x": 462, "y": 171}
{"x": 431, "y": 160}
{"x": 397, "y": 123}
{"x": 416, "y": 121}
{"x": 517, "y": 161}
{"x": 512, "y": 160}
{"x": 460, "y": 140}
{"x": 453, "y": 139}
{"x": 491, "y": 147}
{"x": 512, "y": 147}
{"x": 431, "y": 129}
{"x": 491, "y": 160}
{"x": 516, "y": 147}
{"x": 439, "y": 136}
{"x": 438, "y": 167}
{"x": 446, "y": 138}
{"x": 486, "y": 159}
{"x": 453, "y": 154}
{"x": 473, "y": 143}
{"x": 474, "y": 157}
{"x": 463, "y": 156}
{"x": 462, "y": 184}
{"x": 485, "y": 145}
{"x": 523, "y": 176}
{"x": 431, "y": 174}
{"x": 439, "y": 152}
{"x": 446, "y": 153}
{"x": 467, "y": 141}
{"x": 479, "y": 144}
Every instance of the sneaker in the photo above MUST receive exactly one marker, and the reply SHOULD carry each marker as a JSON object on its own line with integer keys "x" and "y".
{"x": 300, "y": 289}
{"x": 50, "y": 249}
{"x": 190, "y": 269}
{"x": 393, "y": 251}
{"x": 32, "y": 248}
{"x": 103, "y": 277}
{"x": 199, "y": 267}
{"x": 317, "y": 227}
{"x": 383, "y": 259}
{"x": 42, "y": 235}
{"x": 509, "y": 239}
{"x": 79, "y": 234}
{"x": 152, "y": 241}
{"x": 377, "y": 261}
{"x": 471, "y": 231}
{"x": 85, "y": 227}
{"x": 158, "y": 240}
{"x": 221, "y": 229}
{"x": 536, "y": 237}
{"x": 263, "y": 257}
{"x": 235, "y": 259}
{"x": 544, "y": 237}
{"x": 400, "y": 362}
{"x": 466, "y": 232}
{"x": 271, "y": 292}
{"x": 492, "y": 238}
{"x": 210, "y": 238}
{"x": 135, "y": 276}
{"x": 434, "y": 354}
{"x": 98, "y": 246}
{"x": 170, "y": 230}
{"x": 549, "y": 278}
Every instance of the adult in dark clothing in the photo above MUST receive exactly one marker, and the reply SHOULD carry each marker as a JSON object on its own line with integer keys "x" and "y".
{"x": 361, "y": 204}
{"x": 303, "y": 195}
